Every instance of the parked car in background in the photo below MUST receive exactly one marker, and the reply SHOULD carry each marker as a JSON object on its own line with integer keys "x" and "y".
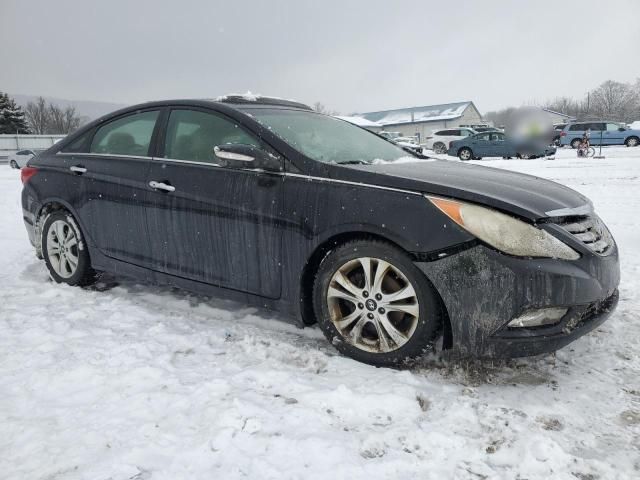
{"x": 21, "y": 157}
{"x": 389, "y": 135}
{"x": 439, "y": 140}
{"x": 497, "y": 144}
{"x": 555, "y": 133}
{"x": 408, "y": 142}
{"x": 268, "y": 202}
{"x": 486, "y": 129}
{"x": 601, "y": 133}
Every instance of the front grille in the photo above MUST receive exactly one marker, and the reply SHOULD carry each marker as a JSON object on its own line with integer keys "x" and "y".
{"x": 592, "y": 232}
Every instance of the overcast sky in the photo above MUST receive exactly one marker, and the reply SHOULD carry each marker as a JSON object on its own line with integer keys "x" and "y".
{"x": 350, "y": 55}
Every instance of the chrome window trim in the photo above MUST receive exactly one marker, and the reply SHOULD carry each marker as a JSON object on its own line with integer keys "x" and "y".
{"x": 99, "y": 155}
{"x": 284, "y": 174}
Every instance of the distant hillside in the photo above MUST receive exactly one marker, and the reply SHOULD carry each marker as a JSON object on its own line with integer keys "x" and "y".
{"x": 85, "y": 108}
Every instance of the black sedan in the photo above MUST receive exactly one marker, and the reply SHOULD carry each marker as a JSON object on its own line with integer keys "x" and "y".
{"x": 268, "y": 202}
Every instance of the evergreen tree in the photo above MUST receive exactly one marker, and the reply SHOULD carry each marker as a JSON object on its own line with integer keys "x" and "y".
{"x": 12, "y": 118}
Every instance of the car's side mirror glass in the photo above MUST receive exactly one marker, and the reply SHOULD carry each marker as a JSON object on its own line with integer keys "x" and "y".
{"x": 621, "y": 129}
{"x": 246, "y": 156}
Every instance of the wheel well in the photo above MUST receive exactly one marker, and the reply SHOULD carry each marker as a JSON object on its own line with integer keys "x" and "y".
{"x": 41, "y": 216}
{"x": 311, "y": 268}
{"x": 630, "y": 137}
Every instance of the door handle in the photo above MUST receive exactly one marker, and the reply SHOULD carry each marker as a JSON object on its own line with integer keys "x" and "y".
{"x": 161, "y": 186}
{"x": 78, "y": 169}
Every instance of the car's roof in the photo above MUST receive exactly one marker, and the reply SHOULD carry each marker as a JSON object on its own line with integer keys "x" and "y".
{"x": 237, "y": 102}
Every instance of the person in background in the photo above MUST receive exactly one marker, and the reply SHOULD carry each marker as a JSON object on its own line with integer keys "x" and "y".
{"x": 585, "y": 143}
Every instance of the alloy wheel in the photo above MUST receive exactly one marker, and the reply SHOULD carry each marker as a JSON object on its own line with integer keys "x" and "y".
{"x": 465, "y": 154}
{"x": 632, "y": 142}
{"x": 62, "y": 248}
{"x": 373, "y": 305}
{"x": 439, "y": 148}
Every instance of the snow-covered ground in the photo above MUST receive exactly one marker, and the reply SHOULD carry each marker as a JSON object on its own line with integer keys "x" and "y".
{"x": 141, "y": 382}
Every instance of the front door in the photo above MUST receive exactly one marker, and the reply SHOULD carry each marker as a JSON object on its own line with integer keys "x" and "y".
{"x": 480, "y": 144}
{"x": 498, "y": 145}
{"x": 208, "y": 223}
{"x": 107, "y": 171}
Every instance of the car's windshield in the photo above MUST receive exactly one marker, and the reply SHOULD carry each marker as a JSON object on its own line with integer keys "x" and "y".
{"x": 327, "y": 139}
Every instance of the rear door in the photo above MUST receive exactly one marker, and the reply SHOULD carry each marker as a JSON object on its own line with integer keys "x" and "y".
{"x": 213, "y": 224}
{"x": 109, "y": 167}
{"x": 574, "y": 131}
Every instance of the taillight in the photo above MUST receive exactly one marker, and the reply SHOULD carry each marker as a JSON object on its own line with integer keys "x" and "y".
{"x": 563, "y": 134}
{"x": 26, "y": 173}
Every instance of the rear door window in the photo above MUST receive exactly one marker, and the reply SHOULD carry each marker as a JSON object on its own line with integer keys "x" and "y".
{"x": 129, "y": 136}
{"x": 598, "y": 126}
{"x": 577, "y": 127}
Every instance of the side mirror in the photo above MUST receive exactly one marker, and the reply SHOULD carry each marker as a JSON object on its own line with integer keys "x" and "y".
{"x": 622, "y": 129}
{"x": 246, "y": 156}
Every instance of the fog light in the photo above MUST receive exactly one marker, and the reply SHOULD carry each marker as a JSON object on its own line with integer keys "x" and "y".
{"x": 538, "y": 317}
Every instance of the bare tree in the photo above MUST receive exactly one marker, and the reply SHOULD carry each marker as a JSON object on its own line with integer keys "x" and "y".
{"x": 37, "y": 116}
{"x": 614, "y": 101}
{"x": 321, "y": 108}
{"x": 48, "y": 118}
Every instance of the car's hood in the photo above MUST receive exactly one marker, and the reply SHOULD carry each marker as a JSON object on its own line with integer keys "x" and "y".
{"x": 524, "y": 195}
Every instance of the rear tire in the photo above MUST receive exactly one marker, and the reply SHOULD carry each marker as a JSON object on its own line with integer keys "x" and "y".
{"x": 357, "y": 311}
{"x": 465, "y": 154}
{"x": 575, "y": 143}
{"x": 632, "y": 142}
{"x": 65, "y": 252}
{"x": 14, "y": 164}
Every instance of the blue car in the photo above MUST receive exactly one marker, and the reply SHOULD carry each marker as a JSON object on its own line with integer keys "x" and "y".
{"x": 496, "y": 144}
{"x": 602, "y": 133}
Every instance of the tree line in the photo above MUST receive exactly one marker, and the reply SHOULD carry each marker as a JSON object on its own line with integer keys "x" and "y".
{"x": 38, "y": 117}
{"x": 615, "y": 101}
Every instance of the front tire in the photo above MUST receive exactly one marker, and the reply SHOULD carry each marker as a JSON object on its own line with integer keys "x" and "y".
{"x": 64, "y": 250}
{"x": 465, "y": 154}
{"x": 632, "y": 142}
{"x": 374, "y": 305}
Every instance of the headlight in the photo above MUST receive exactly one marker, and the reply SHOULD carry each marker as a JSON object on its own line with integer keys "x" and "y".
{"x": 507, "y": 234}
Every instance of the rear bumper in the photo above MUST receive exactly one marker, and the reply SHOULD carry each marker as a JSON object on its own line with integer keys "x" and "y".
{"x": 483, "y": 290}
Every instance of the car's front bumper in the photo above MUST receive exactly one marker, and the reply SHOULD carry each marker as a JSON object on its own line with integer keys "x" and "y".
{"x": 483, "y": 290}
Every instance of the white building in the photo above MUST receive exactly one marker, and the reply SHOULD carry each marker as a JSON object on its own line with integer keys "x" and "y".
{"x": 557, "y": 117}
{"x": 361, "y": 122}
{"x": 421, "y": 121}
{"x": 13, "y": 143}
